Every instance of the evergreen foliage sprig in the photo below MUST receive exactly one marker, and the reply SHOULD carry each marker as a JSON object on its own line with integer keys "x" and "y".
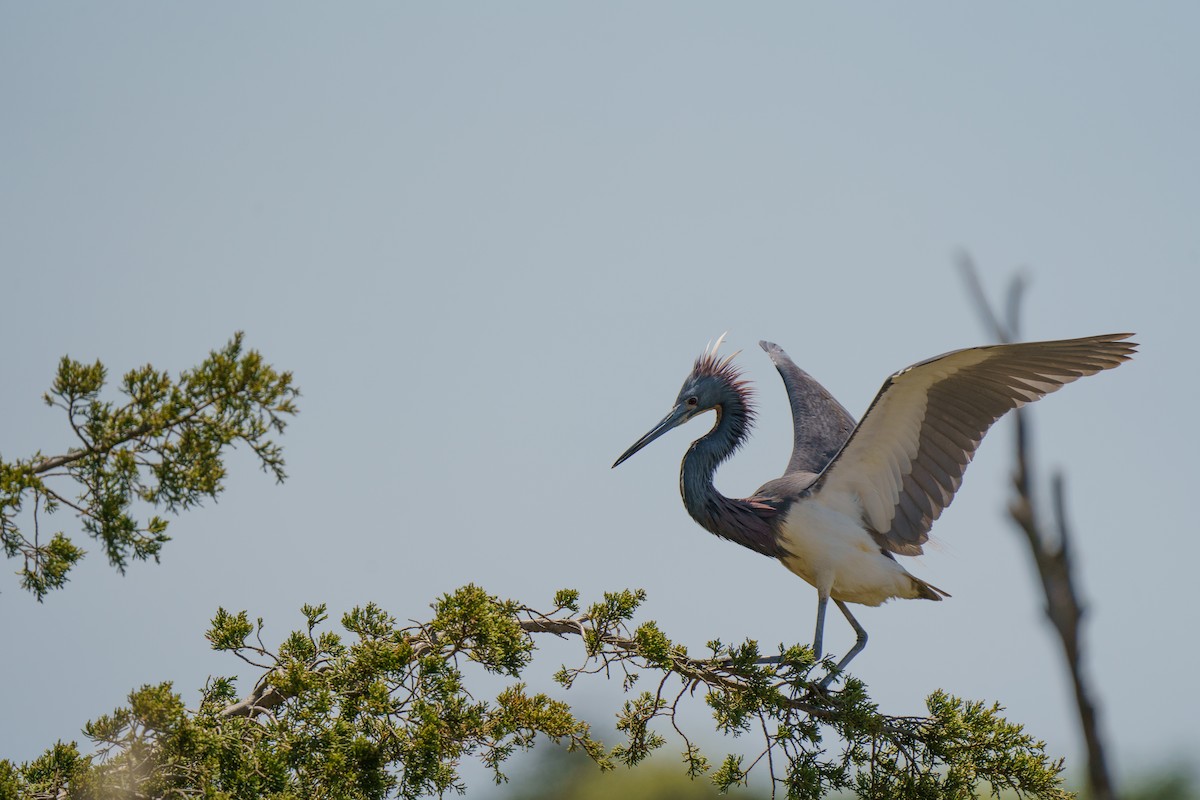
{"x": 164, "y": 445}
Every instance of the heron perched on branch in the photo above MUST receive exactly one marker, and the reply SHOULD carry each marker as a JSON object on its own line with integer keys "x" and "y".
{"x": 854, "y": 497}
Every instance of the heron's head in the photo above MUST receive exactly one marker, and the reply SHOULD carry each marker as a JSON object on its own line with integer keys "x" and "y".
{"x": 714, "y": 383}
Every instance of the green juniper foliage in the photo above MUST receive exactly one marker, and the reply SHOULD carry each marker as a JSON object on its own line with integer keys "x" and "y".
{"x": 376, "y": 710}
{"x": 164, "y": 445}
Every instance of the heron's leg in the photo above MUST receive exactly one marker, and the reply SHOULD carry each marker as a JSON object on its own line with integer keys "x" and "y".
{"x": 859, "y": 644}
{"x": 858, "y": 629}
{"x": 822, "y": 601}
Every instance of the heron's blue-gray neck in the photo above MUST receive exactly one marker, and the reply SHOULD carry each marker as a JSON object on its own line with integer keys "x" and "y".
{"x": 702, "y": 459}
{"x": 727, "y": 517}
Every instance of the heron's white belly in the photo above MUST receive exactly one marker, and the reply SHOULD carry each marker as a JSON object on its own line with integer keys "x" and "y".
{"x": 829, "y": 549}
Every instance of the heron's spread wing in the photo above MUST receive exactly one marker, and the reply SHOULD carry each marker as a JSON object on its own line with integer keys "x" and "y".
{"x": 906, "y": 459}
{"x": 820, "y": 424}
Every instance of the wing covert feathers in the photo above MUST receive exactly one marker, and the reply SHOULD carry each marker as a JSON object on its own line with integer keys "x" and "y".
{"x": 905, "y": 460}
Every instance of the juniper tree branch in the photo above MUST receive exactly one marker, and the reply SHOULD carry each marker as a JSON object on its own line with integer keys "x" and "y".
{"x": 722, "y": 674}
{"x": 53, "y": 462}
{"x": 165, "y": 446}
{"x": 389, "y": 679}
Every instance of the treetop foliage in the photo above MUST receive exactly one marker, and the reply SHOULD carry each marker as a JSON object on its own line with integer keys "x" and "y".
{"x": 164, "y": 445}
{"x": 376, "y": 709}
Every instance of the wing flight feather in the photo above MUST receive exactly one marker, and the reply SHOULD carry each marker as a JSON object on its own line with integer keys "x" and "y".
{"x": 906, "y": 459}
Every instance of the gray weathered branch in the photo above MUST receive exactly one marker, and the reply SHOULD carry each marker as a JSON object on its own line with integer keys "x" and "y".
{"x": 1051, "y": 551}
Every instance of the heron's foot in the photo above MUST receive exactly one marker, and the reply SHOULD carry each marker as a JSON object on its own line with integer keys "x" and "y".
{"x": 828, "y": 679}
{"x": 835, "y": 672}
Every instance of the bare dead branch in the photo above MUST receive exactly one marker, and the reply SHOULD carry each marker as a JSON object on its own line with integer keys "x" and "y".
{"x": 1049, "y": 547}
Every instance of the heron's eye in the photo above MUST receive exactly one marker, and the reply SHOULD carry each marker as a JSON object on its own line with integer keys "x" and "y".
{"x": 691, "y": 401}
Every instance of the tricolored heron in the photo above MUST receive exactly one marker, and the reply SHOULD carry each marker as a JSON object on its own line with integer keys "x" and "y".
{"x": 855, "y": 497}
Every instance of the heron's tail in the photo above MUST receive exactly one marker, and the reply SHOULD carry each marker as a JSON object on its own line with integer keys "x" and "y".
{"x": 927, "y": 591}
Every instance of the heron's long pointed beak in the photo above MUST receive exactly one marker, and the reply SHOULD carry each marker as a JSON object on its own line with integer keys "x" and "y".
{"x": 677, "y": 417}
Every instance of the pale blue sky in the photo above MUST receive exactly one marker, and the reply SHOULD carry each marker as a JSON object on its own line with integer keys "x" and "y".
{"x": 489, "y": 240}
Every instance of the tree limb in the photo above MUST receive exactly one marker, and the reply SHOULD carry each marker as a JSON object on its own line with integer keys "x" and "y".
{"x": 1050, "y": 551}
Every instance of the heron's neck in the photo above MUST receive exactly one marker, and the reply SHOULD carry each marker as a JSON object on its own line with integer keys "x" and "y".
{"x": 727, "y": 517}
{"x": 700, "y": 464}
